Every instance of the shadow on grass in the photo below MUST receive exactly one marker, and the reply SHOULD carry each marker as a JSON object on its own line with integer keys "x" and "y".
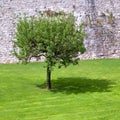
{"x": 79, "y": 85}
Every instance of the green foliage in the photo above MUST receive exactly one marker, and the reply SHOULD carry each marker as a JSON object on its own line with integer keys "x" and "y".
{"x": 53, "y": 35}
{"x": 25, "y": 39}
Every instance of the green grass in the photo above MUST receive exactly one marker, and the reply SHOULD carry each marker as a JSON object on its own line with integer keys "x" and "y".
{"x": 88, "y": 91}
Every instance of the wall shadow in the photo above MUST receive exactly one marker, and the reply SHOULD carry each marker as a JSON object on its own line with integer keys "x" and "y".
{"x": 79, "y": 85}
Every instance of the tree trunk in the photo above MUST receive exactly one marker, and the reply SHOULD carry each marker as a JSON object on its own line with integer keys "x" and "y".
{"x": 48, "y": 78}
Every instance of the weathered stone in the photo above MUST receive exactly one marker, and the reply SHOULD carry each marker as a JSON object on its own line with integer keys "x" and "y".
{"x": 103, "y": 39}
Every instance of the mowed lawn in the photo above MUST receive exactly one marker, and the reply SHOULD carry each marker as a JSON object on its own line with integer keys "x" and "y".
{"x": 88, "y": 91}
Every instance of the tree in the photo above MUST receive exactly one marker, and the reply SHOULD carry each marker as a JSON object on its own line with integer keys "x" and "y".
{"x": 53, "y": 35}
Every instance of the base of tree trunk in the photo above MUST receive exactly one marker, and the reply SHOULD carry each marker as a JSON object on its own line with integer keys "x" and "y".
{"x": 48, "y": 78}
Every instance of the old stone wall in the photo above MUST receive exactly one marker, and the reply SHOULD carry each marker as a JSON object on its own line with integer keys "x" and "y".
{"x": 103, "y": 40}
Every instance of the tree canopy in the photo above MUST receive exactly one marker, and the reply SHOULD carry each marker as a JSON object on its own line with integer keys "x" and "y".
{"x": 55, "y": 36}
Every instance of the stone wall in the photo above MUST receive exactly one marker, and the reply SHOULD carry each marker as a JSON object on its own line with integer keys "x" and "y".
{"x": 103, "y": 39}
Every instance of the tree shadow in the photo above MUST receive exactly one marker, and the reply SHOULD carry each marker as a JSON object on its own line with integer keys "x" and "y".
{"x": 79, "y": 85}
